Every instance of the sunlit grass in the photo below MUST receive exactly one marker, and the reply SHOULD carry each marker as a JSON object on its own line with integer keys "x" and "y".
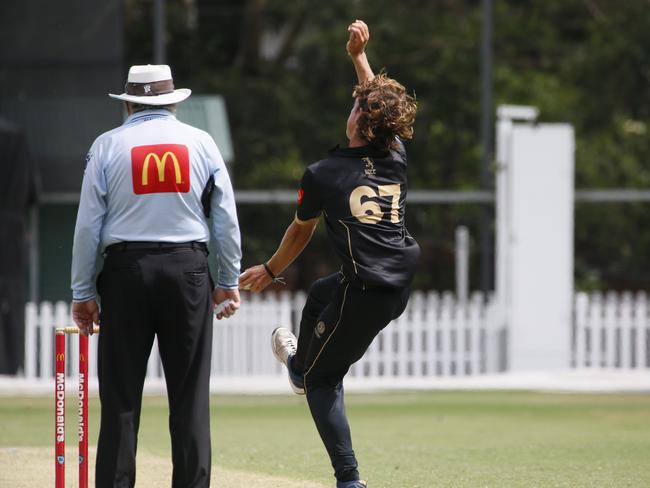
{"x": 447, "y": 439}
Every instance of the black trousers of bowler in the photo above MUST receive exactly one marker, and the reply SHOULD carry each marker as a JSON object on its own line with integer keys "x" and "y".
{"x": 144, "y": 293}
{"x": 339, "y": 321}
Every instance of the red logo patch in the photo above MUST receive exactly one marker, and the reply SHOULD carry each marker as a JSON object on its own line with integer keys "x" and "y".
{"x": 160, "y": 168}
{"x": 301, "y": 193}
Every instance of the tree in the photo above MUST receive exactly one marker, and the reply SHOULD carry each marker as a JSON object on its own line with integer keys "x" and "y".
{"x": 284, "y": 72}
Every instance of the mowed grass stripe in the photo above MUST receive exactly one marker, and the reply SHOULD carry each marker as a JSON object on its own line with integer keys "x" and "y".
{"x": 153, "y": 471}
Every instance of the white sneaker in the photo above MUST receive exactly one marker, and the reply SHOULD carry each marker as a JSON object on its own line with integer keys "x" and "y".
{"x": 284, "y": 344}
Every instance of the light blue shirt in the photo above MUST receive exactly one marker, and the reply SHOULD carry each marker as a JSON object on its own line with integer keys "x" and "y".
{"x": 116, "y": 207}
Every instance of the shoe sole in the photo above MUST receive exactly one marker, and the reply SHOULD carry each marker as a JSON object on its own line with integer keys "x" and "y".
{"x": 296, "y": 390}
{"x": 274, "y": 349}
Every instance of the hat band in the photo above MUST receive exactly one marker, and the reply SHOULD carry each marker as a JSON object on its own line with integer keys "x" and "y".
{"x": 149, "y": 89}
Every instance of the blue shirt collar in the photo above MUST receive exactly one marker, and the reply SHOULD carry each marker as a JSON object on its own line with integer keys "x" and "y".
{"x": 148, "y": 115}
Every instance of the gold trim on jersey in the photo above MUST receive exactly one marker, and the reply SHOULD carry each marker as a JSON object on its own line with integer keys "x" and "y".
{"x": 354, "y": 263}
{"x": 338, "y": 322}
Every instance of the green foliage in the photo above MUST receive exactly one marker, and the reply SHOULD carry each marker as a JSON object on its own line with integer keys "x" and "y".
{"x": 287, "y": 80}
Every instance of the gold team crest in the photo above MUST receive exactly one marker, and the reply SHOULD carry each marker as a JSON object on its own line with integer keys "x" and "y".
{"x": 370, "y": 167}
{"x": 320, "y": 329}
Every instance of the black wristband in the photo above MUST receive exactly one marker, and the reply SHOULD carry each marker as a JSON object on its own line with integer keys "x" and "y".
{"x": 268, "y": 271}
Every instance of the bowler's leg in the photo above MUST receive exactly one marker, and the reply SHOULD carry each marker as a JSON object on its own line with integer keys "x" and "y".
{"x": 349, "y": 324}
{"x": 328, "y": 411}
{"x": 320, "y": 294}
{"x": 324, "y": 386}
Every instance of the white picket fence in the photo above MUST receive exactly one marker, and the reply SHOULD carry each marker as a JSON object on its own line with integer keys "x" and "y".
{"x": 611, "y": 331}
{"x": 436, "y": 336}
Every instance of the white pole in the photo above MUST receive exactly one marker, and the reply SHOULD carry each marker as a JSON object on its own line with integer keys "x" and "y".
{"x": 462, "y": 264}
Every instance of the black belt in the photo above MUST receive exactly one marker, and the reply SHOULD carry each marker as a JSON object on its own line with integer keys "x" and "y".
{"x": 154, "y": 246}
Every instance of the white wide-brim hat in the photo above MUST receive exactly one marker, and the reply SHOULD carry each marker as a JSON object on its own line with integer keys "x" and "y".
{"x": 151, "y": 84}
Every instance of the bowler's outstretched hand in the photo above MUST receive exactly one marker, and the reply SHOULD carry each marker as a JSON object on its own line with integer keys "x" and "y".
{"x": 255, "y": 279}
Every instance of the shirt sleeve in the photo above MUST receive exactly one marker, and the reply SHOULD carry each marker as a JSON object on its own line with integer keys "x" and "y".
{"x": 309, "y": 202}
{"x": 87, "y": 232}
{"x": 225, "y": 226}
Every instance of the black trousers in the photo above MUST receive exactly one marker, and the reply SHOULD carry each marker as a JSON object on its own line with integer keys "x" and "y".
{"x": 146, "y": 293}
{"x": 339, "y": 322}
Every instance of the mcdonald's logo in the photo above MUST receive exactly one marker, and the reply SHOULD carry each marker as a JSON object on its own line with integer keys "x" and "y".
{"x": 169, "y": 173}
{"x": 60, "y": 357}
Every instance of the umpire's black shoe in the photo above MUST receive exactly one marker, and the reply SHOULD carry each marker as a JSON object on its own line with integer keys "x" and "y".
{"x": 284, "y": 344}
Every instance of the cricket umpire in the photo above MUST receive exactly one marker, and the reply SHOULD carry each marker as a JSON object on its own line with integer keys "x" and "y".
{"x": 148, "y": 189}
{"x": 361, "y": 191}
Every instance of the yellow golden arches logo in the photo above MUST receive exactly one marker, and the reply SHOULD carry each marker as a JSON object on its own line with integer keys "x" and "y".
{"x": 160, "y": 165}
{"x": 60, "y": 357}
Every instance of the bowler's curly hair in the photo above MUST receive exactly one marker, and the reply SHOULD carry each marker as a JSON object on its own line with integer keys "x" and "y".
{"x": 387, "y": 111}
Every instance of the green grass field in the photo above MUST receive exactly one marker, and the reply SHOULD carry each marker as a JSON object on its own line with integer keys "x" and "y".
{"x": 403, "y": 440}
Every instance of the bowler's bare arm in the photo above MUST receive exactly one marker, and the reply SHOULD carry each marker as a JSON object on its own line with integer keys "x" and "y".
{"x": 296, "y": 237}
{"x": 359, "y": 37}
{"x": 299, "y": 232}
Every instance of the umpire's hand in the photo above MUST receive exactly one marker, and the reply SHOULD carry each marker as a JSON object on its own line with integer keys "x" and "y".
{"x": 84, "y": 315}
{"x": 220, "y": 295}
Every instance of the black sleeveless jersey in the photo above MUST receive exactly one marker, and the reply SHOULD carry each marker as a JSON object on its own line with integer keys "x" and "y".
{"x": 362, "y": 193}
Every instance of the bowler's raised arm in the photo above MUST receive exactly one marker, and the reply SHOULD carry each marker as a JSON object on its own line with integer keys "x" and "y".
{"x": 356, "y": 45}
